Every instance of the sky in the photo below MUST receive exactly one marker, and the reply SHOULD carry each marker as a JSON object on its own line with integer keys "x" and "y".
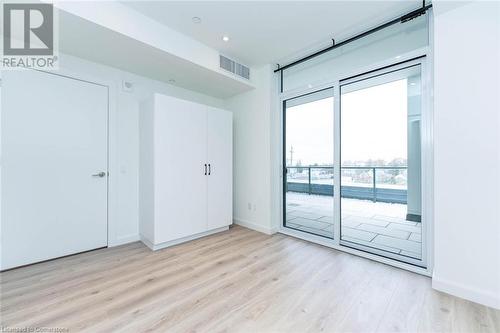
{"x": 309, "y": 130}
{"x": 373, "y": 120}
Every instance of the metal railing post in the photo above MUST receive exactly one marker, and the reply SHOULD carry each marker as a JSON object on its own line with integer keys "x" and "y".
{"x": 374, "y": 185}
{"x": 309, "y": 168}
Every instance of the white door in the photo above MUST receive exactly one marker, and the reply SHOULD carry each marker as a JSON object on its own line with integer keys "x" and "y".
{"x": 220, "y": 159}
{"x": 180, "y": 158}
{"x": 54, "y": 139}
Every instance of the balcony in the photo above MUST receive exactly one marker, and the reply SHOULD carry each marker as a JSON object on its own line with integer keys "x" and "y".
{"x": 374, "y": 210}
{"x": 369, "y": 185}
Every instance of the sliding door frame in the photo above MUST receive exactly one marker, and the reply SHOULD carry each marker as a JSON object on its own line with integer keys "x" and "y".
{"x": 373, "y": 74}
{"x": 420, "y": 56}
{"x": 283, "y": 153}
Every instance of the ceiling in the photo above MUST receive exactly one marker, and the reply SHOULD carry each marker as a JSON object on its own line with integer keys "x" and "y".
{"x": 263, "y": 32}
{"x": 136, "y": 57}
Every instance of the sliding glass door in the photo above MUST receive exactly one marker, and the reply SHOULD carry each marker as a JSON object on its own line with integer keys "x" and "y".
{"x": 308, "y": 163}
{"x": 380, "y": 160}
{"x": 353, "y": 168}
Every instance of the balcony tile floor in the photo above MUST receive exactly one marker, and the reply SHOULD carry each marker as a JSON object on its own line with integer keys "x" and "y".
{"x": 379, "y": 225}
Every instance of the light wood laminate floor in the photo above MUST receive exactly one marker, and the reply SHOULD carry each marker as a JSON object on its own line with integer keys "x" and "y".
{"x": 235, "y": 281}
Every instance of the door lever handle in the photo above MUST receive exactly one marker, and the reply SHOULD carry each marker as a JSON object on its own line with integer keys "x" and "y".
{"x": 100, "y": 174}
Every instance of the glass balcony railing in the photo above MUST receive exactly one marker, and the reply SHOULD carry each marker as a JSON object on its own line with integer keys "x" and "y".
{"x": 376, "y": 183}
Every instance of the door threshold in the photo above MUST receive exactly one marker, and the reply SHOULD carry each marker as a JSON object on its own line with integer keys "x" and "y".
{"x": 330, "y": 243}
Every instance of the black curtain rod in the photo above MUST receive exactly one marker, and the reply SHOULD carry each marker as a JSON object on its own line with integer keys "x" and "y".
{"x": 405, "y": 18}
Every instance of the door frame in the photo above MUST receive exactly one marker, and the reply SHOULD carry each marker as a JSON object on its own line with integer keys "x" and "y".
{"x": 283, "y": 150}
{"x": 424, "y": 56}
{"x": 424, "y": 115}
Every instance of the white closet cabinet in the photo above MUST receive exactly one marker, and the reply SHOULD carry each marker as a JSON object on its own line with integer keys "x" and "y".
{"x": 185, "y": 180}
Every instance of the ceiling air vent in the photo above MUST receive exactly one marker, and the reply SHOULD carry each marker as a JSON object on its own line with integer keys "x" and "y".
{"x": 234, "y": 67}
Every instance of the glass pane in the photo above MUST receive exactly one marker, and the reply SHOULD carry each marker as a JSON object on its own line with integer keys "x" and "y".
{"x": 308, "y": 156}
{"x": 379, "y": 46}
{"x": 381, "y": 164}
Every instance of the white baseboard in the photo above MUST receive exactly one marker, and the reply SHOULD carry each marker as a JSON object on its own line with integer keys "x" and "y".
{"x": 465, "y": 292}
{"x": 254, "y": 226}
{"x": 146, "y": 242}
{"x": 124, "y": 240}
{"x": 163, "y": 245}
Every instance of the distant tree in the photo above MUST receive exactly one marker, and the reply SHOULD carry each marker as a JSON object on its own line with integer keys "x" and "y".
{"x": 398, "y": 162}
{"x": 299, "y": 164}
{"x": 396, "y": 172}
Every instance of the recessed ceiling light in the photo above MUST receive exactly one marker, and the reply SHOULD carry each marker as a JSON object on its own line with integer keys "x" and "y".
{"x": 196, "y": 19}
{"x": 225, "y": 38}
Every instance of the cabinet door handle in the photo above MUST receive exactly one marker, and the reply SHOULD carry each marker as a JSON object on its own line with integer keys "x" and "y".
{"x": 205, "y": 169}
{"x": 209, "y": 169}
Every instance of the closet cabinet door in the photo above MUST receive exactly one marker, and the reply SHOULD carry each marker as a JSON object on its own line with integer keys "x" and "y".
{"x": 220, "y": 159}
{"x": 180, "y": 180}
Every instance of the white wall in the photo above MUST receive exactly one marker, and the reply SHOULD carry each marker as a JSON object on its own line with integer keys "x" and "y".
{"x": 124, "y": 137}
{"x": 467, "y": 151}
{"x": 252, "y": 153}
